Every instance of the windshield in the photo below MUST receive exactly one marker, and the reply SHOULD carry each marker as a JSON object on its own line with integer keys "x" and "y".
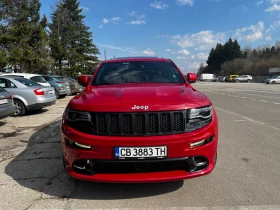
{"x": 38, "y": 79}
{"x": 138, "y": 72}
{"x": 26, "y": 82}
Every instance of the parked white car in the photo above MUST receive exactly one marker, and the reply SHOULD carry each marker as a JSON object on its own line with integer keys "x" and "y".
{"x": 273, "y": 80}
{"x": 207, "y": 77}
{"x": 33, "y": 77}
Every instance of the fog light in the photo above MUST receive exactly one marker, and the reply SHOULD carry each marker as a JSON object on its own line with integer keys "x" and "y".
{"x": 198, "y": 143}
{"x": 83, "y": 145}
{"x": 77, "y": 145}
{"x": 202, "y": 142}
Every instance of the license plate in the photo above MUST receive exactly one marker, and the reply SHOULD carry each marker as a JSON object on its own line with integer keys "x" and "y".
{"x": 140, "y": 152}
{"x": 3, "y": 101}
{"x": 50, "y": 92}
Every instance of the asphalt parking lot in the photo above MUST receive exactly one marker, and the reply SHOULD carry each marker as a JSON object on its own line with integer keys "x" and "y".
{"x": 247, "y": 175}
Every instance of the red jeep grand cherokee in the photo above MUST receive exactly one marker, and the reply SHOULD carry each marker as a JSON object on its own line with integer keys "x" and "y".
{"x": 139, "y": 120}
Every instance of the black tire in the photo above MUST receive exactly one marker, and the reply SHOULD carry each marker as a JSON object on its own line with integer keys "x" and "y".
{"x": 63, "y": 96}
{"x": 20, "y": 108}
{"x": 56, "y": 94}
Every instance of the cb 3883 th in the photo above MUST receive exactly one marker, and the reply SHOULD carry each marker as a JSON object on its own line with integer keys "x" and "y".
{"x": 139, "y": 120}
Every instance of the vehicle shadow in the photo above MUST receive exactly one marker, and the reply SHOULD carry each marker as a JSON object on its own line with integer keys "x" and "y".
{"x": 39, "y": 167}
{"x": 2, "y": 122}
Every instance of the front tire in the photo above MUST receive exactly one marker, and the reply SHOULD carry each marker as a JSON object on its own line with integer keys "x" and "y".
{"x": 20, "y": 108}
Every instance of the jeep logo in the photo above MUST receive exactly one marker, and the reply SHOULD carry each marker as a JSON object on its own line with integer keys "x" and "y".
{"x": 140, "y": 107}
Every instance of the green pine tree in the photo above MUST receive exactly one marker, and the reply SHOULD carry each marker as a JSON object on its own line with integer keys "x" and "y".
{"x": 23, "y": 35}
{"x": 71, "y": 40}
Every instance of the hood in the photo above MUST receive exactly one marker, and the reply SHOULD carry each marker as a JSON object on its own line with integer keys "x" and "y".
{"x": 138, "y": 97}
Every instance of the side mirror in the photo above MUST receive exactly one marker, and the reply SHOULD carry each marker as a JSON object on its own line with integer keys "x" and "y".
{"x": 83, "y": 80}
{"x": 191, "y": 77}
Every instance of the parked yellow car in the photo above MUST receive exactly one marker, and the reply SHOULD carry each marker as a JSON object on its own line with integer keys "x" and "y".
{"x": 230, "y": 78}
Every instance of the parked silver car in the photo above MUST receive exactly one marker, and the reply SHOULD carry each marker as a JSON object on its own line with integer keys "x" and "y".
{"x": 243, "y": 78}
{"x": 28, "y": 95}
{"x": 62, "y": 88}
{"x": 273, "y": 80}
{"x": 7, "y": 107}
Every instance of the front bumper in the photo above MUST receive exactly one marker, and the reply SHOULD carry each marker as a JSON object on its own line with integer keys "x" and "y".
{"x": 180, "y": 156}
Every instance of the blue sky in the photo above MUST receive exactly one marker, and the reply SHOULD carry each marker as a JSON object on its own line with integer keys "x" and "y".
{"x": 183, "y": 30}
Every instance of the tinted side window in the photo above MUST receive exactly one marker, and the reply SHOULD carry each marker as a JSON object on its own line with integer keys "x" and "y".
{"x": 48, "y": 78}
{"x": 3, "y": 83}
{"x": 27, "y": 82}
{"x": 11, "y": 84}
{"x": 38, "y": 79}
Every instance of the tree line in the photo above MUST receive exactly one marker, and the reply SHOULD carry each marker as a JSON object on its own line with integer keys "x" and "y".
{"x": 33, "y": 44}
{"x": 230, "y": 59}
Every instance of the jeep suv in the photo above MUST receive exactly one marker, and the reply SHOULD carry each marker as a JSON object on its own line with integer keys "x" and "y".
{"x": 139, "y": 120}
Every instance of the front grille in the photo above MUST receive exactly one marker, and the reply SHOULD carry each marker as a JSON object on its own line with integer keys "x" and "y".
{"x": 139, "y": 124}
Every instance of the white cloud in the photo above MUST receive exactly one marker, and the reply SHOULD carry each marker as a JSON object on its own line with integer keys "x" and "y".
{"x": 274, "y": 1}
{"x": 207, "y": 39}
{"x": 259, "y": 2}
{"x": 105, "y": 20}
{"x": 203, "y": 40}
{"x": 137, "y": 22}
{"x": 271, "y": 28}
{"x": 185, "y": 2}
{"x": 135, "y": 14}
{"x": 159, "y": 5}
{"x": 85, "y": 9}
{"x": 169, "y": 36}
{"x": 251, "y": 33}
{"x": 184, "y": 52}
{"x": 148, "y": 52}
{"x": 141, "y": 16}
{"x": 123, "y": 49}
{"x": 116, "y": 19}
{"x": 100, "y": 26}
{"x": 188, "y": 66}
{"x": 275, "y": 7}
{"x": 171, "y": 51}
{"x": 200, "y": 56}
{"x": 181, "y": 57}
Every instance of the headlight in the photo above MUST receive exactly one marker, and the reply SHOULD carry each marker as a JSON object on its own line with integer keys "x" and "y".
{"x": 198, "y": 118}
{"x": 75, "y": 116}
{"x": 204, "y": 113}
{"x": 80, "y": 121}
